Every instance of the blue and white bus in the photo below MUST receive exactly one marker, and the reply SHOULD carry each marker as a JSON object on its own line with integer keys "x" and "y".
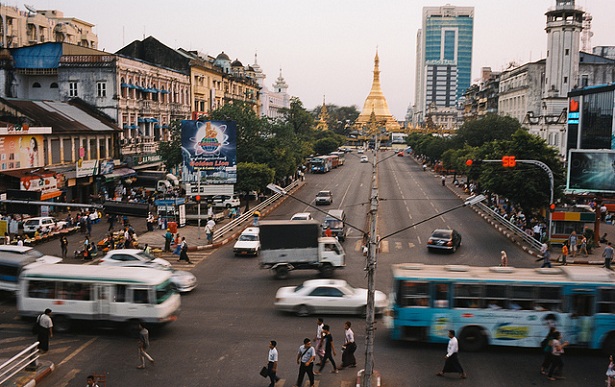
{"x": 502, "y": 305}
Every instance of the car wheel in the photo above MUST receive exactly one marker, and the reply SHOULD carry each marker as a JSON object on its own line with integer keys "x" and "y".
{"x": 61, "y": 323}
{"x": 326, "y": 271}
{"x": 303, "y": 311}
{"x": 472, "y": 339}
{"x": 281, "y": 272}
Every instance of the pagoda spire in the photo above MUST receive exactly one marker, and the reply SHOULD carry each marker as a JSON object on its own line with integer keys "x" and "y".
{"x": 323, "y": 117}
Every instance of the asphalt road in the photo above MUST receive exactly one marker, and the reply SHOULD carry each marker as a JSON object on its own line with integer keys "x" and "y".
{"x": 222, "y": 334}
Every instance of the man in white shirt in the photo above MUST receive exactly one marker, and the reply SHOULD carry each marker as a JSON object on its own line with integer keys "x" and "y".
{"x": 45, "y": 330}
{"x": 305, "y": 359}
{"x": 452, "y": 361}
{"x": 272, "y": 363}
{"x": 348, "y": 359}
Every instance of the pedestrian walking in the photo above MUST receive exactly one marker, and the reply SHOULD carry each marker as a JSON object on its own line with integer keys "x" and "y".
{"x": 209, "y": 230}
{"x": 305, "y": 359}
{"x": 183, "y": 254}
{"x": 111, "y": 221}
{"x": 452, "y": 360}
{"x": 349, "y": 347}
{"x": 572, "y": 243}
{"x": 443, "y": 180}
{"x": 272, "y": 363}
{"x": 564, "y": 253}
{"x": 547, "y": 348}
{"x": 556, "y": 358}
{"x": 45, "y": 330}
{"x": 90, "y": 381}
{"x": 610, "y": 373}
{"x": 329, "y": 351}
{"x": 503, "y": 259}
{"x": 167, "y": 240}
{"x": 255, "y": 216}
{"x": 150, "y": 222}
{"x": 320, "y": 349}
{"x": 64, "y": 246}
{"x": 147, "y": 249}
{"x": 88, "y": 224}
{"x": 545, "y": 256}
{"x": 583, "y": 247}
{"x": 607, "y": 254}
{"x": 143, "y": 344}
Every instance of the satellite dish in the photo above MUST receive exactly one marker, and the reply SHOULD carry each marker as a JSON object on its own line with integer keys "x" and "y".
{"x": 30, "y": 8}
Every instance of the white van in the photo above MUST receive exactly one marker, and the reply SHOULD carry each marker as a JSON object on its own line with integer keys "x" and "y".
{"x": 248, "y": 242}
{"x": 15, "y": 259}
{"x": 43, "y": 224}
{"x": 100, "y": 293}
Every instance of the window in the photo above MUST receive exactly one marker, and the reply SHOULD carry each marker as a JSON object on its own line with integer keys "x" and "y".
{"x": 522, "y": 297}
{"x": 441, "y": 292}
{"x": 325, "y": 291}
{"x": 567, "y": 52}
{"x": 120, "y": 293}
{"x": 139, "y": 296}
{"x": 468, "y": 296}
{"x": 72, "y": 89}
{"x": 74, "y": 291}
{"x": 101, "y": 89}
{"x": 36, "y": 85}
{"x": 548, "y": 298}
{"x": 53, "y": 85}
{"x": 41, "y": 289}
{"x": 495, "y": 296}
{"x": 413, "y": 294}
{"x": 606, "y": 303}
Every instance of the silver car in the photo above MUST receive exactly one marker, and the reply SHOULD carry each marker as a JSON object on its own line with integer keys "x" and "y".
{"x": 183, "y": 281}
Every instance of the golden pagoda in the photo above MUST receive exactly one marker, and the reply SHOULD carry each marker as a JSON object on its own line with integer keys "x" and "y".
{"x": 323, "y": 117}
{"x": 376, "y": 104}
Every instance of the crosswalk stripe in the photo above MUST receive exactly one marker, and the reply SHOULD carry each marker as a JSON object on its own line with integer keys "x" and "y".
{"x": 384, "y": 246}
{"x": 398, "y": 246}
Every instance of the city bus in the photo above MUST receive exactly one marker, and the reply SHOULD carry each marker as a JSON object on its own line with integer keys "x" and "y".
{"x": 341, "y": 157}
{"x": 505, "y": 306}
{"x": 320, "y": 164}
{"x": 105, "y": 294}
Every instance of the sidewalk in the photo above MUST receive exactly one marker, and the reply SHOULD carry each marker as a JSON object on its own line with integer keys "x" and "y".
{"x": 26, "y": 378}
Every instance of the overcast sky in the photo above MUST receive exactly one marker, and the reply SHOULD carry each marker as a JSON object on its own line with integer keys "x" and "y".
{"x": 327, "y": 47}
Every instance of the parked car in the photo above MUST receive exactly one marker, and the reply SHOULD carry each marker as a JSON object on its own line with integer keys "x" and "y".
{"x": 301, "y": 216}
{"x": 326, "y": 296}
{"x": 225, "y": 201}
{"x": 364, "y": 159}
{"x": 324, "y": 197}
{"x": 43, "y": 224}
{"x": 128, "y": 257}
{"x": 248, "y": 242}
{"x": 183, "y": 281}
{"x": 444, "y": 239}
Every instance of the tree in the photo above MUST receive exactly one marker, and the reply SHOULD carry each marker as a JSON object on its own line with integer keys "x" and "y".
{"x": 170, "y": 152}
{"x": 326, "y": 145}
{"x": 486, "y": 129}
{"x": 300, "y": 119}
{"x": 249, "y": 127}
{"x": 253, "y": 177}
{"x": 340, "y": 117}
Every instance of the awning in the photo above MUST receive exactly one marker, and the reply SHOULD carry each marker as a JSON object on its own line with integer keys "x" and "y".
{"x": 141, "y": 119}
{"x": 121, "y": 172}
{"x": 51, "y": 194}
{"x": 163, "y": 91}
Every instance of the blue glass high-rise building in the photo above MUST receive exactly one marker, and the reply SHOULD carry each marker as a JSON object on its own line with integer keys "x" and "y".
{"x": 444, "y": 57}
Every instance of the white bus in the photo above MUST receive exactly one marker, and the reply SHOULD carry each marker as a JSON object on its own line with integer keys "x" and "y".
{"x": 15, "y": 259}
{"x": 99, "y": 293}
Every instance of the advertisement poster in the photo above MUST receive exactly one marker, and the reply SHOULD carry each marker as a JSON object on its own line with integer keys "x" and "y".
{"x": 17, "y": 152}
{"x": 47, "y": 183}
{"x": 87, "y": 168}
{"x": 209, "y": 150}
{"x": 591, "y": 170}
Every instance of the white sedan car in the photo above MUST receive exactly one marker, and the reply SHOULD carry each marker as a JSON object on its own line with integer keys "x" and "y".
{"x": 326, "y": 296}
{"x": 130, "y": 257}
{"x": 182, "y": 280}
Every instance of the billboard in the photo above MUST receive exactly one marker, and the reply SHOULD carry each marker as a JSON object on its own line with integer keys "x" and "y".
{"x": 591, "y": 170}
{"x": 209, "y": 151}
{"x": 17, "y": 152}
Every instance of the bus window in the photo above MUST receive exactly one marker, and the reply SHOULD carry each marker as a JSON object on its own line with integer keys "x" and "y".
{"x": 139, "y": 296}
{"x": 468, "y": 296}
{"x": 606, "y": 303}
{"x": 549, "y": 298}
{"x": 582, "y": 305}
{"x": 495, "y": 296}
{"x": 413, "y": 294}
{"x": 42, "y": 289}
{"x": 440, "y": 295}
{"x": 164, "y": 291}
{"x": 120, "y": 293}
{"x": 522, "y": 297}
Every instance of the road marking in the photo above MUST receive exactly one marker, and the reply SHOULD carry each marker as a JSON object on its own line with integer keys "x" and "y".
{"x": 411, "y": 245}
{"x": 384, "y": 246}
{"x": 78, "y": 350}
{"x": 398, "y": 246}
{"x": 70, "y": 376}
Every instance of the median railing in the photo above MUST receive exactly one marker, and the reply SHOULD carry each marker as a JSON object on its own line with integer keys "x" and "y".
{"x": 25, "y": 359}
{"x": 511, "y": 227}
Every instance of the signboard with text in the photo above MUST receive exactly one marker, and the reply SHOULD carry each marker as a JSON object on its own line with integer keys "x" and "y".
{"x": 21, "y": 151}
{"x": 591, "y": 170}
{"x": 209, "y": 150}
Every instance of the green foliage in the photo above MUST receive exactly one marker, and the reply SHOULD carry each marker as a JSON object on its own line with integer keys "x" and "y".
{"x": 486, "y": 129}
{"x": 326, "y": 145}
{"x": 253, "y": 177}
{"x": 249, "y": 127}
{"x": 339, "y": 118}
{"x": 170, "y": 152}
{"x": 298, "y": 118}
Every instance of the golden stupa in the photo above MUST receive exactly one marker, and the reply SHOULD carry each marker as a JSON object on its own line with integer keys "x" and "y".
{"x": 376, "y": 104}
{"x": 323, "y": 117}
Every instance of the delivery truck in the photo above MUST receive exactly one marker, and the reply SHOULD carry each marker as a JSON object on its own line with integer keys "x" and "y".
{"x": 296, "y": 244}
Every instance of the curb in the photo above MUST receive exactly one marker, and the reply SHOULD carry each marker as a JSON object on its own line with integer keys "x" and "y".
{"x": 40, "y": 376}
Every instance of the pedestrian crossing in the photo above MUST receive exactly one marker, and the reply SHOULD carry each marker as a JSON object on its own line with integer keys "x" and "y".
{"x": 387, "y": 246}
{"x": 195, "y": 257}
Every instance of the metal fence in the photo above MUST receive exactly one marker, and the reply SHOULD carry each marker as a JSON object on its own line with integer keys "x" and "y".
{"x": 25, "y": 359}
{"x": 511, "y": 227}
{"x": 247, "y": 216}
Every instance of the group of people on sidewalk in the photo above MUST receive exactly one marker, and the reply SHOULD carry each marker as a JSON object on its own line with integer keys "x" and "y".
{"x": 322, "y": 350}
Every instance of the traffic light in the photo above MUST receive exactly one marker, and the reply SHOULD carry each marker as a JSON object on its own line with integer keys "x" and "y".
{"x": 197, "y": 198}
{"x": 473, "y": 162}
{"x": 552, "y": 207}
{"x": 469, "y": 162}
{"x": 509, "y": 161}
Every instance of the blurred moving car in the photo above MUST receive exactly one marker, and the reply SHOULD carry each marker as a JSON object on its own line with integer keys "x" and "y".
{"x": 364, "y": 159}
{"x": 444, "y": 239}
{"x": 129, "y": 257}
{"x": 301, "y": 216}
{"x": 183, "y": 281}
{"x": 225, "y": 201}
{"x": 324, "y": 197}
{"x": 15, "y": 259}
{"x": 400, "y": 154}
{"x": 248, "y": 242}
{"x": 323, "y": 296}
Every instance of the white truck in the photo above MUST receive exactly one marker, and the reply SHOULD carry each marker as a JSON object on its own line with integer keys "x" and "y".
{"x": 296, "y": 244}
